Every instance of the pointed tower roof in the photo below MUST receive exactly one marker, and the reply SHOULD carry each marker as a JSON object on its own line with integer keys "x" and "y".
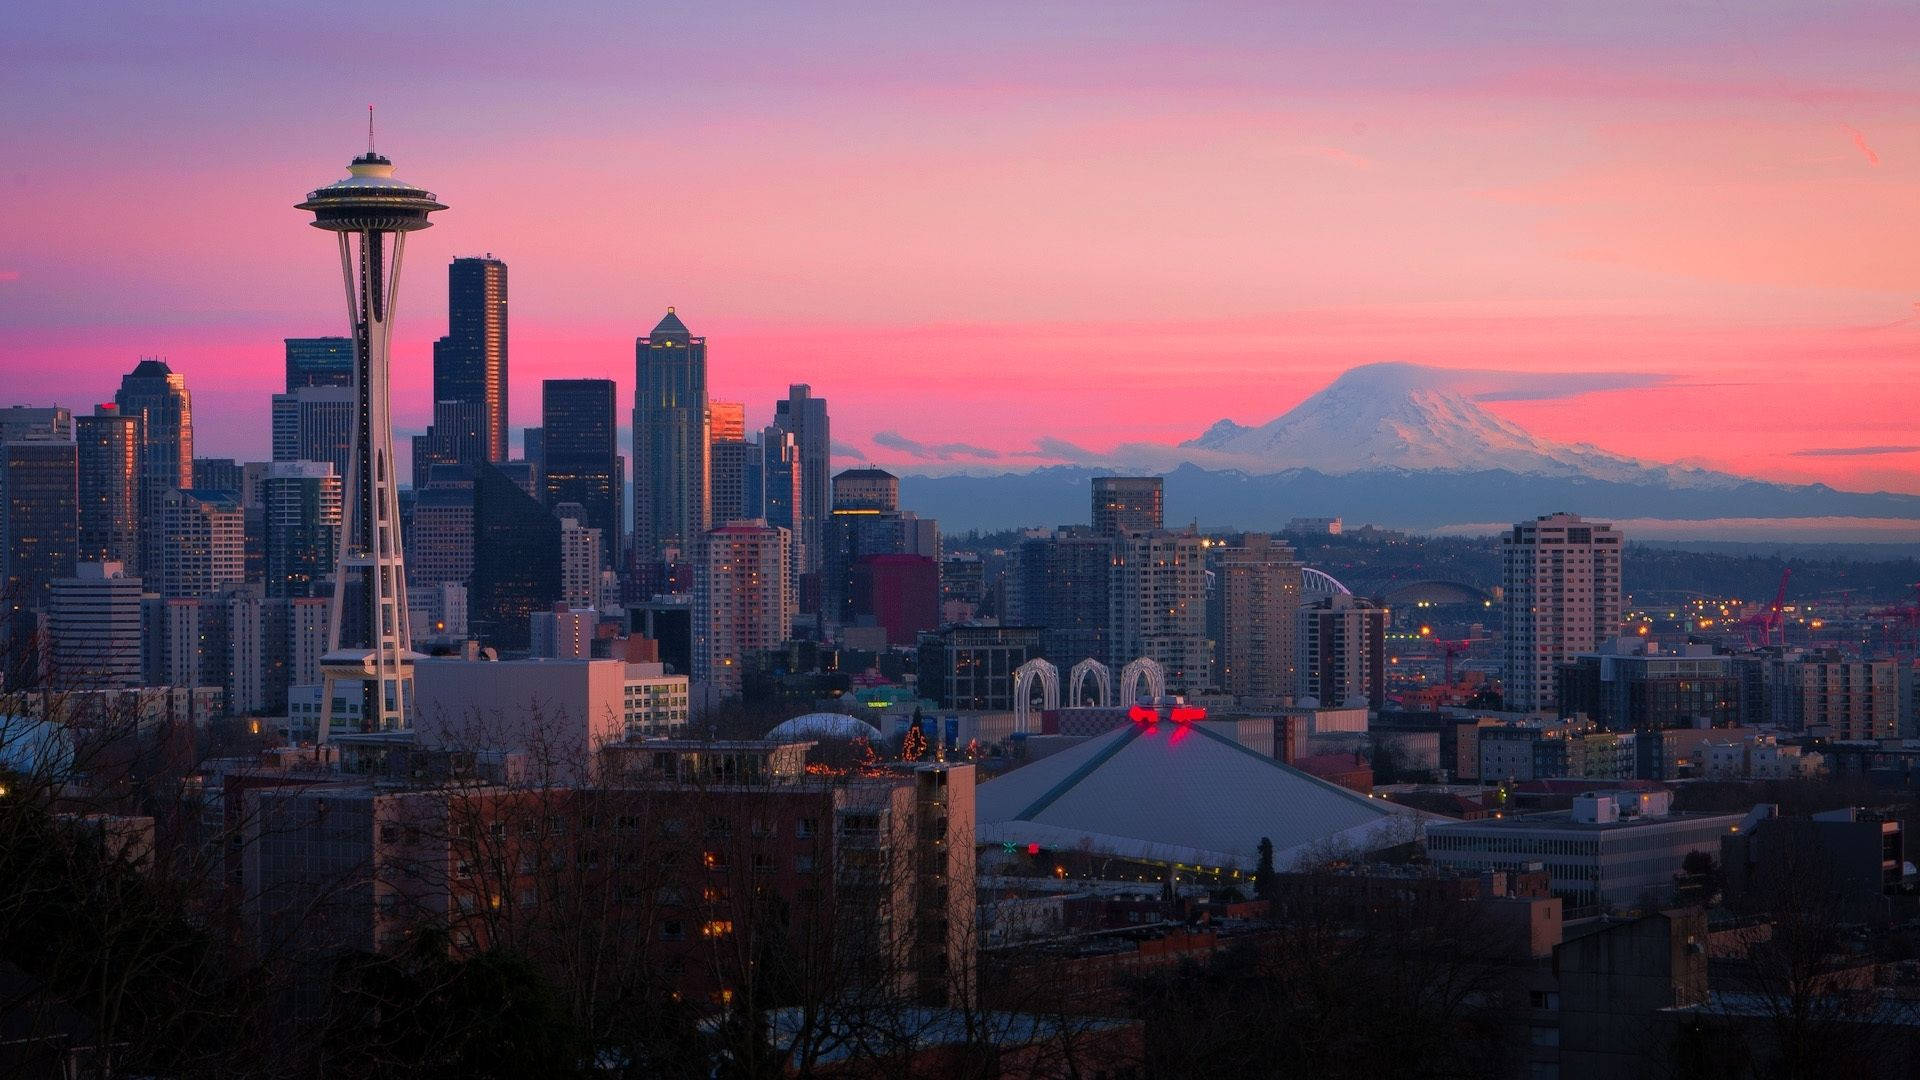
{"x": 151, "y": 369}
{"x": 670, "y": 326}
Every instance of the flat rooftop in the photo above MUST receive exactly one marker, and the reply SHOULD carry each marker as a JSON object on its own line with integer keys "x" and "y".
{"x": 1563, "y": 819}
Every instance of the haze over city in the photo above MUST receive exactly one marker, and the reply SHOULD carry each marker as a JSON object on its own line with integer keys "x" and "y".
{"x": 959, "y": 222}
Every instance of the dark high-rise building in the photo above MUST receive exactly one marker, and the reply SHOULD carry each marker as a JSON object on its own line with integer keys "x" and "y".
{"x": 28, "y": 422}
{"x": 516, "y": 560}
{"x": 302, "y": 525}
{"x": 580, "y": 454}
{"x": 1253, "y": 615}
{"x": 470, "y": 363}
{"x": 220, "y": 474}
{"x": 1340, "y": 651}
{"x": 805, "y": 417}
{"x": 898, "y": 592}
{"x": 109, "y": 453}
{"x": 971, "y": 667}
{"x": 157, "y": 397}
{"x": 866, "y": 489}
{"x": 773, "y": 491}
{"x": 1060, "y": 584}
{"x": 315, "y": 423}
{"x": 730, "y": 466}
{"x": 853, "y": 534}
{"x": 456, "y": 437}
{"x": 39, "y": 519}
{"x": 1127, "y": 504}
{"x": 319, "y": 361}
{"x": 670, "y": 499}
{"x": 533, "y": 448}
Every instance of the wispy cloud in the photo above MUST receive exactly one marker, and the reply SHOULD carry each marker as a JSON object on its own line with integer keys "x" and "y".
{"x": 1860, "y": 143}
{"x": 1855, "y": 451}
{"x": 893, "y": 440}
{"x": 1551, "y": 386}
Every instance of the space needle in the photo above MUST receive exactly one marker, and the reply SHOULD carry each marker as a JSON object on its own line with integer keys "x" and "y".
{"x": 368, "y": 643}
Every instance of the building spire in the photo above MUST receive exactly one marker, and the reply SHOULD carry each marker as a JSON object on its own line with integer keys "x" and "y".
{"x": 369, "y": 130}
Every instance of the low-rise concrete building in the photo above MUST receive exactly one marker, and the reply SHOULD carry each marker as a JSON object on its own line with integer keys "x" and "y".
{"x": 1597, "y": 855}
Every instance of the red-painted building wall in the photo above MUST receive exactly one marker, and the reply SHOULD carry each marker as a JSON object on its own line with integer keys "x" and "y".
{"x": 900, "y": 593}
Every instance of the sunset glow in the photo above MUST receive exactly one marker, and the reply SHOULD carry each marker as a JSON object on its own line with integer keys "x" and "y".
{"x": 989, "y": 231}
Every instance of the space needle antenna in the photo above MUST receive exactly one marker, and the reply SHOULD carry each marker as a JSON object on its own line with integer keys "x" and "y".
{"x": 369, "y": 129}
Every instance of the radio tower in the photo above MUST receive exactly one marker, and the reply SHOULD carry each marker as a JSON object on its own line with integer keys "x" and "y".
{"x": 368, "y": 643}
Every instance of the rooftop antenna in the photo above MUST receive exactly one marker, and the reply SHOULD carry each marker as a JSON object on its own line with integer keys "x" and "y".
{"x": 369, "y": 129}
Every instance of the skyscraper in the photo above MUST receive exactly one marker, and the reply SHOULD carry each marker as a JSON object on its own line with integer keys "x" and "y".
{"x": 95, "y": 621}
{"x": 39, "y": 519}
{"x": 580, "y": 453}
{"x": 315, "y": 423}
{"x": 730, "y": 465}
{"x": 1257, "y": 587}
{"x": 28, "y": 422}
{"x": 204, "y": 545}
{"x": 1060, "y": 583}
{"x": 773, "y": 492}
{"x": 805, "y": 417}
{"x": 1340, "y": 652}
{"x": 726, "y": 420}
{"x": 456, "y": 437}
{"x": 109, "y": 453}
{"x": 440, "y": 543}
{"x": 516, "y": 559}
{"x": 580, "y": 559}
{"x": 302, "y": 526}
{"x": 319, "y": 361}
{"x": 157, "y": 397}
{"x": 1128, "y": 504}
{"x": 369, "y": 642}
{"x": 742, "y": 603}
{"x": 1158, "y": 599}
{"x": 470, "y": 363}
{"x": 670, "y": 498}
{"x": 727, "y": 453}
{"x": 865, "y": 523}
{"x": 1562, "y": 577}
{"x": 866, "y": 489}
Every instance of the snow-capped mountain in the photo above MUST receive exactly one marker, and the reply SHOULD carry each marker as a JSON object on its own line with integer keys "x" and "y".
{"x": 1407, "y": 416}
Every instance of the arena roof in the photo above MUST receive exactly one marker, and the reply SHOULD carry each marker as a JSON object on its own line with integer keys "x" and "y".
{"x": 1183, "y": 793}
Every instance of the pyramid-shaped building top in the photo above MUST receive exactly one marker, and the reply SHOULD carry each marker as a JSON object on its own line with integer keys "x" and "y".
{"x": 1182, "y": 793}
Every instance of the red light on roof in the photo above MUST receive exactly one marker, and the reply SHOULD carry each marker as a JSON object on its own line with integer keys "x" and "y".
{"x": 1033, "y": 849}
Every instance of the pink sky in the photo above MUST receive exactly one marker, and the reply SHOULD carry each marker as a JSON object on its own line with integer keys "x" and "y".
{"x": 990, "y": 225}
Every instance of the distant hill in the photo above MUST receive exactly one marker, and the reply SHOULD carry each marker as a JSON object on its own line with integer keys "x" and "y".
{"x": 1397, "y": 498}
{"x": 1401, "y": 445}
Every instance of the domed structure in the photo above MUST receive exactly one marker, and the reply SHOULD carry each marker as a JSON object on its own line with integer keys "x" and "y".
{"x": 825, "y": 725}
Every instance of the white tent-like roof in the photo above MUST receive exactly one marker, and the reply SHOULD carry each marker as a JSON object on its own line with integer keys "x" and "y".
{"x": 1182, "y": 793}
{"x": 825, "y": 725}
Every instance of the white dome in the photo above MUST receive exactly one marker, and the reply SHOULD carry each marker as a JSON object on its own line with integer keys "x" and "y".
{"x": 825, "y": 725}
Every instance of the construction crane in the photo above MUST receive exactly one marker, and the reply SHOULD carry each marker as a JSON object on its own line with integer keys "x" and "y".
{"x": 1905, "y": 620}
{"x": 1772, "y": 619}
{"x": 1451, "y": 649}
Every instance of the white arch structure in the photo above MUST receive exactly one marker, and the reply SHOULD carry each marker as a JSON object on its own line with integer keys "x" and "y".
{"x": 1146, "y": 669}
{"x": 1320, "y": 583}
{"x": 1077, "y": 682}
{"x": 1023, "y": 677}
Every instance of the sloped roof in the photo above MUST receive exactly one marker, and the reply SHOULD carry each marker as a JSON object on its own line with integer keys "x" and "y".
{"x": 670, "y": 324}
{"x": 1181, "y": 793}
